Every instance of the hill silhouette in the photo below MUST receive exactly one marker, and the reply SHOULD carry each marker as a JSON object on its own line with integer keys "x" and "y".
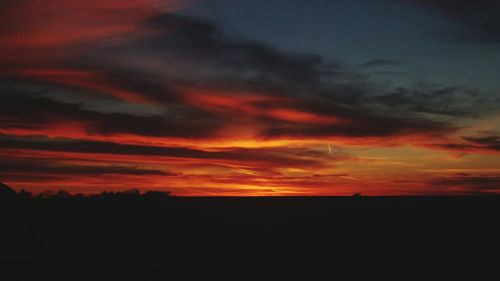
{"x": 15, "y": 239}
{"x": 153, "y": 236}
{"x": 6, "y": 192}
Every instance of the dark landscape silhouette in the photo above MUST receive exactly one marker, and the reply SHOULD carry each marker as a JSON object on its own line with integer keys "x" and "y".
{"x": 155, "y": 236}
{"x": 193, "y": 140}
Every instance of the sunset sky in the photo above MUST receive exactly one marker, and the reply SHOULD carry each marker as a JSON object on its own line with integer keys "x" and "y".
{"x": 251, "y": 97}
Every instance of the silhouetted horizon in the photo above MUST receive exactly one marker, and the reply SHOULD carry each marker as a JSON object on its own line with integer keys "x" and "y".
{"x": 154, "y": 236}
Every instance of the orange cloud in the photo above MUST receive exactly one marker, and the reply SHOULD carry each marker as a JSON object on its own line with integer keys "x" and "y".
{"x": 256, "y": 105}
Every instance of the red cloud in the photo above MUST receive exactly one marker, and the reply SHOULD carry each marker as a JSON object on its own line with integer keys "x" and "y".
{"x": 38, "y": 30}
{"x": 60, "y": 22}
{"x": 257, "y": 105}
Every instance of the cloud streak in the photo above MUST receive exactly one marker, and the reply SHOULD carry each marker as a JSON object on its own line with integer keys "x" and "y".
{"x": 470, "y": 184}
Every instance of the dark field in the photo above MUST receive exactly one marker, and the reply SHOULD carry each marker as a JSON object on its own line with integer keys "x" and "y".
{"x": 133, "y": 237}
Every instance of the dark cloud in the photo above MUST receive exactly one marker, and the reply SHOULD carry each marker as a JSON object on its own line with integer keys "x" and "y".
{"x": 380, "y": 63}
{"x": 478, "y": 20}
{"x": 456, "y": 146}
{"x": 157, "y": 90}
{"x": 202, "y": 40}
{"x": 12, "y": 168}
{"x": 183, "y": 52}
{"x": 445, "y": 101}
{"x": 470, "y": 183}
{"x": 319, "y": 87}
{"x": 37, "y": 112}
{"x": 487, "y": 144}
{"x": 264, "y": 156}
{"x": 364, "y": 124}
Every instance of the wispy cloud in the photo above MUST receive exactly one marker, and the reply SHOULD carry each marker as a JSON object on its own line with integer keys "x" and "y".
{"x": 381, "y": 63}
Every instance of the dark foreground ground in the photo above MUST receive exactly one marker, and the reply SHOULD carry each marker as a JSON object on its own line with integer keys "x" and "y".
{"x": 161, "y": 238}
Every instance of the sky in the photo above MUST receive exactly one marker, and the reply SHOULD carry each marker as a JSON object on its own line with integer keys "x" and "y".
{"x": 251, "y": 97}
